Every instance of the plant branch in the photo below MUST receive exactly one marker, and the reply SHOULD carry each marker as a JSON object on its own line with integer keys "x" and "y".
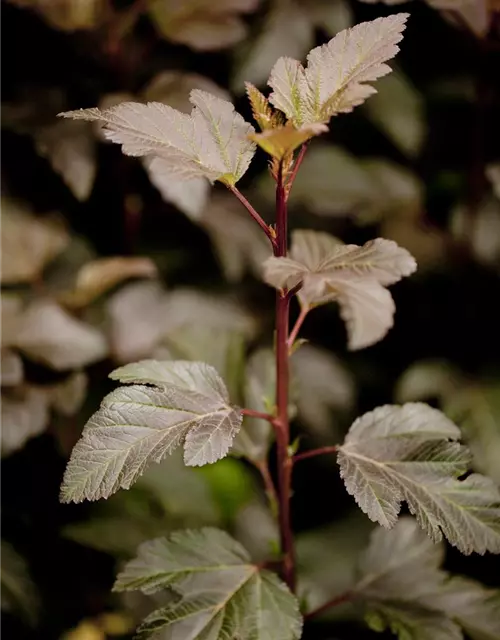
{"x": 314, "y": 452}
{"x": 282, "y": 384}
{"x": 271, "y": 493}
{"x": 334, "y": 602}
{"x": 256, "y": 216}
{"x": 295, "y": 169}
{"x": 258, "y": 414}
{"x": 298, "y": 324}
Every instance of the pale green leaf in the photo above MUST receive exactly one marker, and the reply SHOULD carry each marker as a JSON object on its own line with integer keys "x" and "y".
{"x": 239, "y": 243}
{"x": 398, "y": 109}
{"x": 51, "y": 336}
{"x": 189, "y": 196}
{"x": 484, "y": 237}
{"x": 25, "y": 414}
{"x": 12, "y": 368}
{"x": 211, "y": 142}
{"x": 218, "y": 590}
{"x": 354, "y": 276}
{"x": 201, "y": 24}
{"x": 68, "y": 396}
{"x": 71, "y": 150}
{"x": 18, "y": 591}
{"x": 337, "y": 72}
{"x": 427, "y": 379}
{"x": 254, "y": 438}
{"x": 139, "y": 424}
{"x": 409, "y": 453}
{"x": 29, "y": 243}
{"x": 287, "y": 31}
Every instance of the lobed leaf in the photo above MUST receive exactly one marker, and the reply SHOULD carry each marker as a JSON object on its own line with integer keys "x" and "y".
{"x": 140, "y": 424}
{"x": 410, "y": 453}
{"x": 354, "y": 276}
{"x": 211, "y": 142}
{"x": 217, "y": 591}
{"x": 337, "y": 72}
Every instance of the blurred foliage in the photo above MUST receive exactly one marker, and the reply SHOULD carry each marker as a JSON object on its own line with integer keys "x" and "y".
{"x": 105, "y": 261}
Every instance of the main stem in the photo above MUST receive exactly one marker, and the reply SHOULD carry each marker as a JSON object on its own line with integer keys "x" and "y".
{"x": 281, "y": 423}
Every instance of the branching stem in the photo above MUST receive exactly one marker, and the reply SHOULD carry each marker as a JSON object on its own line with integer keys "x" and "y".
{"x": 298, "y": 324}
{"x": 256, "y": 216}
{"x": 314, "y": 452}
{"x": 334, "y": 602}
{"x": 258, "y": 414}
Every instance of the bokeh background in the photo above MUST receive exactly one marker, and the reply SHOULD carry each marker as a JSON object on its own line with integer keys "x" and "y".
{"x": 104, "y": 263}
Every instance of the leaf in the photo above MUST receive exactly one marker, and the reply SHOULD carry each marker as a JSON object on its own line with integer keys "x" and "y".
{"x": 139, "y": 424}
{"x": 398, "y": 109}
{"x": 18, "y": 591}
{"x": 218, "y": 590}
{"x": 337, "y": 72}
{"x": 28, "y": 243}
{"x": 12, "y": 368}
{"x": 68, "y": 15}
{"x": 70, "y": 148}
{"x": 255, "y": 436}
{"x": 483, "y": 238}
{"x": 173, "y": 88}
{"x": 323, "y": 385}
{"x": 211, "y": 142}
{"x": 97, "y": 277}
{"x": 493, "y": 175}
{"x": 287, "y": 31}
{"x": 201, "y": 25}
{"x": 25, "y": 414}
{"x": 135, "y": 317}
{"x": 49, "y": 335}
{"x": 410, "y": 453}
{"x": 427, "y": 379}
{"x": 281, "y": 141}
{"x": 354, "y": 276}
{"x": 239, "y": 243}
{"x": 403, "y": 587}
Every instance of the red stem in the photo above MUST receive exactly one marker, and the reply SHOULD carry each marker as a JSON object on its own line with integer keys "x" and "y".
{"x": 295, "y": 169}
{"x": 298, "y": 324}
{"x": 282, "y": 383}
{"x": 263, "y": 225}
{"x": 257, "y": 414}
{"x": 314, "y": 452}
{"x": 334, "y": 602}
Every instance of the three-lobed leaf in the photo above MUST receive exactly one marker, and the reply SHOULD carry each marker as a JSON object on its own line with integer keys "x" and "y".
{"x": 335, "y": 79}
{"x": 211, "y": 142}
{"x": 166, "y": 404}
{"x": 403, "y": 587}
{"x": 216, "y": 591}
{"x": 354, "y": 276}
{"x": 410, "y": 453}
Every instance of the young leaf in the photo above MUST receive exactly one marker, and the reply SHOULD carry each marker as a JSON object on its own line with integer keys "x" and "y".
{"x": 410, "y": 453}
{"x": 403, "y": 587}
{"x": 262, "y": 112}
{"x": 211, "y": 142}
{"x": 354, "y": 276}
{"x": 337, "y": 72}
{"x": 281, "y": 141}
{"x": 218, "y": 589}
{"x": 48, "y": 334}
{"x": 138, "y": 424}
{"x": 28, "y": 243}
{"x": 18, "y": 591}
